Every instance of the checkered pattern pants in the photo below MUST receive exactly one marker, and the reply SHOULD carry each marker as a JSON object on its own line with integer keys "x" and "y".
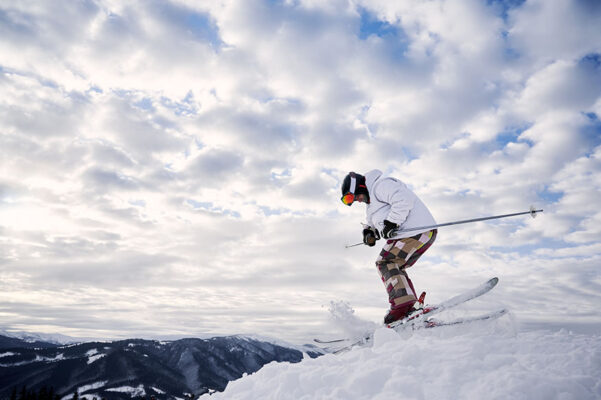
{"x": 396, "y": 256}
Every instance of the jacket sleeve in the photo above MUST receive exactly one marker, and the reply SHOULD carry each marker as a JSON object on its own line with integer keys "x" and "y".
{"x": 400, "y": 198}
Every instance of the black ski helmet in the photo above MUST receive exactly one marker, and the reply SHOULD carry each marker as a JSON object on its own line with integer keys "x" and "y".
{"x": 354, "y": 184}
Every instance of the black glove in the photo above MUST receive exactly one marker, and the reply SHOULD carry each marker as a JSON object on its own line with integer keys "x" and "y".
{"x": 389, "y": 229}
{"x": 370, "y": 236}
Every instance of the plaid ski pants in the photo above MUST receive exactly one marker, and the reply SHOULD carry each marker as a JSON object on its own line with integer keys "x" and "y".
{"x": 396, "y": 256}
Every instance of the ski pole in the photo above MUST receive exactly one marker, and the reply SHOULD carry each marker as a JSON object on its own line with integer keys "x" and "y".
{"x": 532, "y": 213}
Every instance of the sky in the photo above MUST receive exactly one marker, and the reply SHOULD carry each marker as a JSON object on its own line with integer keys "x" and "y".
{"x": 173, "y": 168}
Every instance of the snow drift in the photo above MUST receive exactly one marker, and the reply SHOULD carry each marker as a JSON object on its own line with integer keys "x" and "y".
{"x": 486, "y": 360}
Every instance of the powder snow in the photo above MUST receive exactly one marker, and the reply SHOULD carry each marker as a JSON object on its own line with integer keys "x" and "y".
{"x": 486, "y": 360}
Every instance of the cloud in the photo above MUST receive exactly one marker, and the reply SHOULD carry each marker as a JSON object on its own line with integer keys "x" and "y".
{"x": 105, "y": 179}
{"x": 562, "y": 86}
{"x": 175, "y": 167}
{"x": 574, "y": 34}
{"x": 214, "y": 167}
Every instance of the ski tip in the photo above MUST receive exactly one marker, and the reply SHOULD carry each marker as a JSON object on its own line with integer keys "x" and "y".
{"x": 494, "y": 281}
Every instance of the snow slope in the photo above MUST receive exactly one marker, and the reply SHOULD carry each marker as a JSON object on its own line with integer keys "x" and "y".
{"x": 486, "y": 360}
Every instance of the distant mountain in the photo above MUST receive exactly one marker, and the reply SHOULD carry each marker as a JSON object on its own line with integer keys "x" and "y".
{"x": 37, "y": 339}
{"x": 137, "y": 368}
{"x": 7, "y": 342}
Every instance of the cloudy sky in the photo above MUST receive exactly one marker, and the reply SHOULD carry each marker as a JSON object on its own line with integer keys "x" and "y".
{"x": 172, "y": 168}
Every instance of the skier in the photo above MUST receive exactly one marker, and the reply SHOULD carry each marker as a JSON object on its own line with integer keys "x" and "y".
{"x": 392, "y": 206}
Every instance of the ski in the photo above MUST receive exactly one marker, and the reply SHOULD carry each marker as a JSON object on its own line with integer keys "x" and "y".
{"x": 321, "y": 341}
{"x": 425, "y": 324}
{"x": 445, "y": 305}
{"x": 460, "y": 321}
{"x": 420, "y": 318}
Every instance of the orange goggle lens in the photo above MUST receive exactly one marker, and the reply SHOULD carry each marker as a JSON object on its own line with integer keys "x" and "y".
{"x": 348, "y": 199}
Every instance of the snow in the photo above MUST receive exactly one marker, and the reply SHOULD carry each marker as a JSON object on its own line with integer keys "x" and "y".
{"x": 58, "y": 357}
{"x": 93, "y": 386}
{"x": 31, "y": 337}
{"x": 132, "y": 391}
{"x": 88, "y": 396}
{"x": 488, "y": 359}
{"x": 96, "y": 357}
{"x": 157, "y": 390}
{"x": 7, "y": 354}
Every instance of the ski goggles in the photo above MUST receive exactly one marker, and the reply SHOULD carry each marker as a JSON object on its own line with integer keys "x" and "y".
{"x": 349, "y": 197}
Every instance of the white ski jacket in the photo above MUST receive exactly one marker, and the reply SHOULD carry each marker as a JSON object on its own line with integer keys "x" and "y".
{"x": 391, "y": 199}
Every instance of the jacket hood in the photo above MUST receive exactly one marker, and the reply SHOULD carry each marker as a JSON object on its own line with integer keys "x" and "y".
{"x": 371, "y": 177}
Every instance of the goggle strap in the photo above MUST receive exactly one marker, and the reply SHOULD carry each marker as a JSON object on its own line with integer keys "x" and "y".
{"x": 353, "y": 184}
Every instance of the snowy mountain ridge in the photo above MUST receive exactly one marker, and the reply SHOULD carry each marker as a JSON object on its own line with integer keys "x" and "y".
{"x": 136, "y": 367}
{"x": 32, "y": 337}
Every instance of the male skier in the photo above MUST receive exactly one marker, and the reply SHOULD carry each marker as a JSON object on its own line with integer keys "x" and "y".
{"x": 392, "y": 206}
